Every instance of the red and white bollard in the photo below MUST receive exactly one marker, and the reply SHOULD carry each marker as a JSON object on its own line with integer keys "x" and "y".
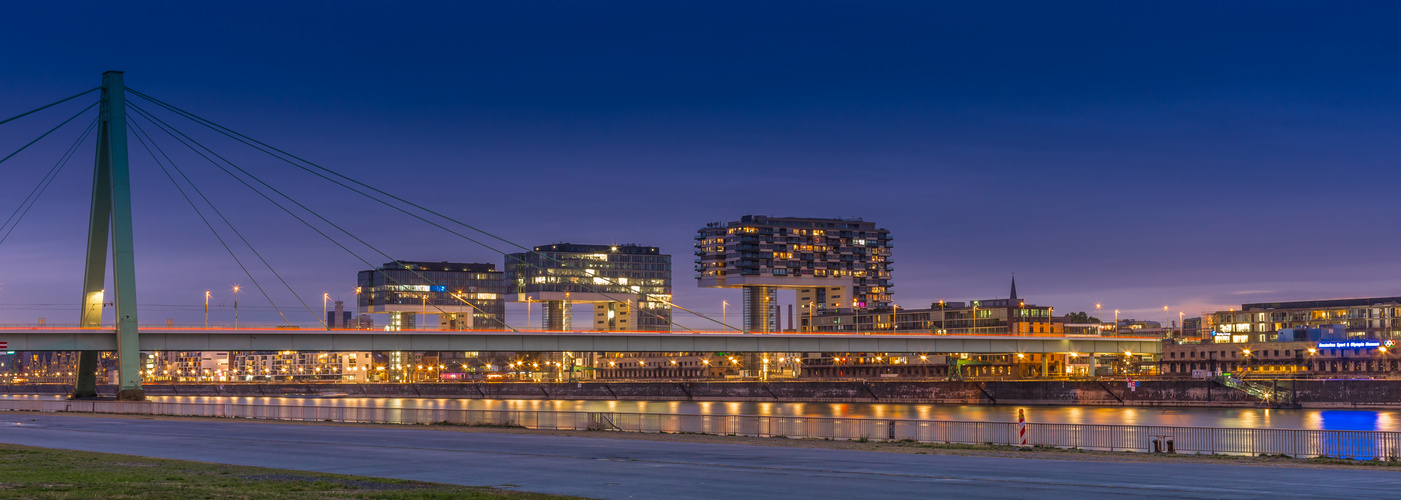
{"x": 1021, "y": 425}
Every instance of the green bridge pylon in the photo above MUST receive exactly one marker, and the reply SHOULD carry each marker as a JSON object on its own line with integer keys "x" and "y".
{"x": 111, "y": 215}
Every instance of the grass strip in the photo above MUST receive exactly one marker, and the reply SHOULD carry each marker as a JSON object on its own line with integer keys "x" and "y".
{"x": 44, "y": 473}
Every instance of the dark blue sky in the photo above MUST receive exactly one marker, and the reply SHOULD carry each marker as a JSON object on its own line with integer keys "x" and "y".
{"x": 1194, "y": 155}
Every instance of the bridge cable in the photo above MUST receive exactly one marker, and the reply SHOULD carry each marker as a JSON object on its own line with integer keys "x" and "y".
{"x": 141, "y": 132}
{"x": 164, "y": 127}
{"x": 241, "y": 138}
{"x": 206, "y": 221}
{"x": 251, "y": 142}
{"x": 245, "y": 139}
{"x": 170, "y": 130}
{"x": 228, "y": 223}
{"x": 145, "y": 114}
{"x": 261, "y": 147}
{"x": 33, "y": 197}
{"x": 47, "y": 106}
{"x": 46, "y": 134}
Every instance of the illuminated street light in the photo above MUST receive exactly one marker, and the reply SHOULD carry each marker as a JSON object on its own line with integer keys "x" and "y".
{"x": 235, "y": 291}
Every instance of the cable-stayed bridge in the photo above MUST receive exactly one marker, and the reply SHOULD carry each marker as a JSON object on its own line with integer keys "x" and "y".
{"x": 269, "y": 339}
{"x": 111, "y": 229}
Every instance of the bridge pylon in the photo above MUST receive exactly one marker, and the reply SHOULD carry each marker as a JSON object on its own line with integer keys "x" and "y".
{"x": 111, "y": 218}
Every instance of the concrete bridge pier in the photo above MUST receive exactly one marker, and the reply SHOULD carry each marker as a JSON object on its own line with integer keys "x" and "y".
{"x": 110, "y": 216}
{"x": 85, "y": 383}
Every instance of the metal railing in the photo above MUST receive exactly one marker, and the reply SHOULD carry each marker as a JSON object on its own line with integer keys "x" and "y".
{"x": 1361, "y": 445}
{"x": 1260, "y": 391}
{"x": 314, "y": 328}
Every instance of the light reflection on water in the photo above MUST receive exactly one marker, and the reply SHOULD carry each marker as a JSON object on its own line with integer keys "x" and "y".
{"x": 1386, "y": 420}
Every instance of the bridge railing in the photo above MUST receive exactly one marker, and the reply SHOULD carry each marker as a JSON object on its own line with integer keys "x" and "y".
{"x": 1362, "y": 445}
{"x": 158, "y": 328}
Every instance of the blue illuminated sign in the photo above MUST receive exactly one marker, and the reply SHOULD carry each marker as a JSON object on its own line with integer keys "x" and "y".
{"x": 438, "y": 288}
{"x": 1349, "y": 344}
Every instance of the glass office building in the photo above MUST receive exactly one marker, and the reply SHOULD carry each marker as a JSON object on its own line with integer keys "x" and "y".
{"x": 463, "y": 296}
{"x": 628, "y": 285}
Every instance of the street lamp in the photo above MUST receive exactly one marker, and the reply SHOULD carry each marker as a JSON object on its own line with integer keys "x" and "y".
{"x": 943, "y": 320}
{"x": 235, "y": 290}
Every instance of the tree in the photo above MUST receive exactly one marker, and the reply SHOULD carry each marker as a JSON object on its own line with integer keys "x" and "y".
{"x": 1081, "y": 317}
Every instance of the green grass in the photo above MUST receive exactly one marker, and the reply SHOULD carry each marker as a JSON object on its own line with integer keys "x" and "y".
{"x": 27, "y": 472}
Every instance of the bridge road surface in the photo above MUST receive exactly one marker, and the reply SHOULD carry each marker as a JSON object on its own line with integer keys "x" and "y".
{"x": 626, "y": 468}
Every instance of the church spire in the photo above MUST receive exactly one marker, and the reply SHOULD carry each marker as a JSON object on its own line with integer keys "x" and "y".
{"x": 1014, "y": 287}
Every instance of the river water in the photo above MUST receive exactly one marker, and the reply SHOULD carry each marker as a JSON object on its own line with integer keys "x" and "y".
{"x": 1324, "y": 419}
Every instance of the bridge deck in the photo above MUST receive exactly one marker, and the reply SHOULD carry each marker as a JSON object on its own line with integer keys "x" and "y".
{"x": 198, "y": 339}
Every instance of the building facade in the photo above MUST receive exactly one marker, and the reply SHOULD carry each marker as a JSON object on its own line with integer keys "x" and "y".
{"x": 628, "y": 285}
{"x": 994, "y": 317}
{"x": 835, "y": 265}
{"x": 186, "y": 366}
{"x": 1009, "y": 316}
{"x": 1323, "y": 358}
{"x": 298, "y": 366}
{"x": 462, "y": 296}
{"x": 1370, "y": 318}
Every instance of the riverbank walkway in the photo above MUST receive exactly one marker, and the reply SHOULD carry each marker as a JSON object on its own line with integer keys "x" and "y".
{"x": 626, "y": 468}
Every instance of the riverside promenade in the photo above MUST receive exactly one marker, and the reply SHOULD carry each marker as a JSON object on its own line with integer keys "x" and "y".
{"x": 628, "y": 468}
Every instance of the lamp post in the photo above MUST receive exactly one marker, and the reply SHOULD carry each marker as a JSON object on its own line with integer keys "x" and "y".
{"x": 235, "y": 290}
{"x": 974, "y": 327}
{"x": 357, "y": 303}
{"x": 943, "y": 321}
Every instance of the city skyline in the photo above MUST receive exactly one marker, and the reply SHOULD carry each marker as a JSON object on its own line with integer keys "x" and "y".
{"x": 1165, "y": 169}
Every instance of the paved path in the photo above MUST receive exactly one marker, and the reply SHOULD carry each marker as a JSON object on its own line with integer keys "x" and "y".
{"x": 625, "y": 468}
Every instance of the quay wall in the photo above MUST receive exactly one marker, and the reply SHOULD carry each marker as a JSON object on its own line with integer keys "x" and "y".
{"x": 1160, "y": 392}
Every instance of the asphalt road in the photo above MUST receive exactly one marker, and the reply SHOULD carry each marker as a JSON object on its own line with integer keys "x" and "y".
{"x": 624, "y": 468}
